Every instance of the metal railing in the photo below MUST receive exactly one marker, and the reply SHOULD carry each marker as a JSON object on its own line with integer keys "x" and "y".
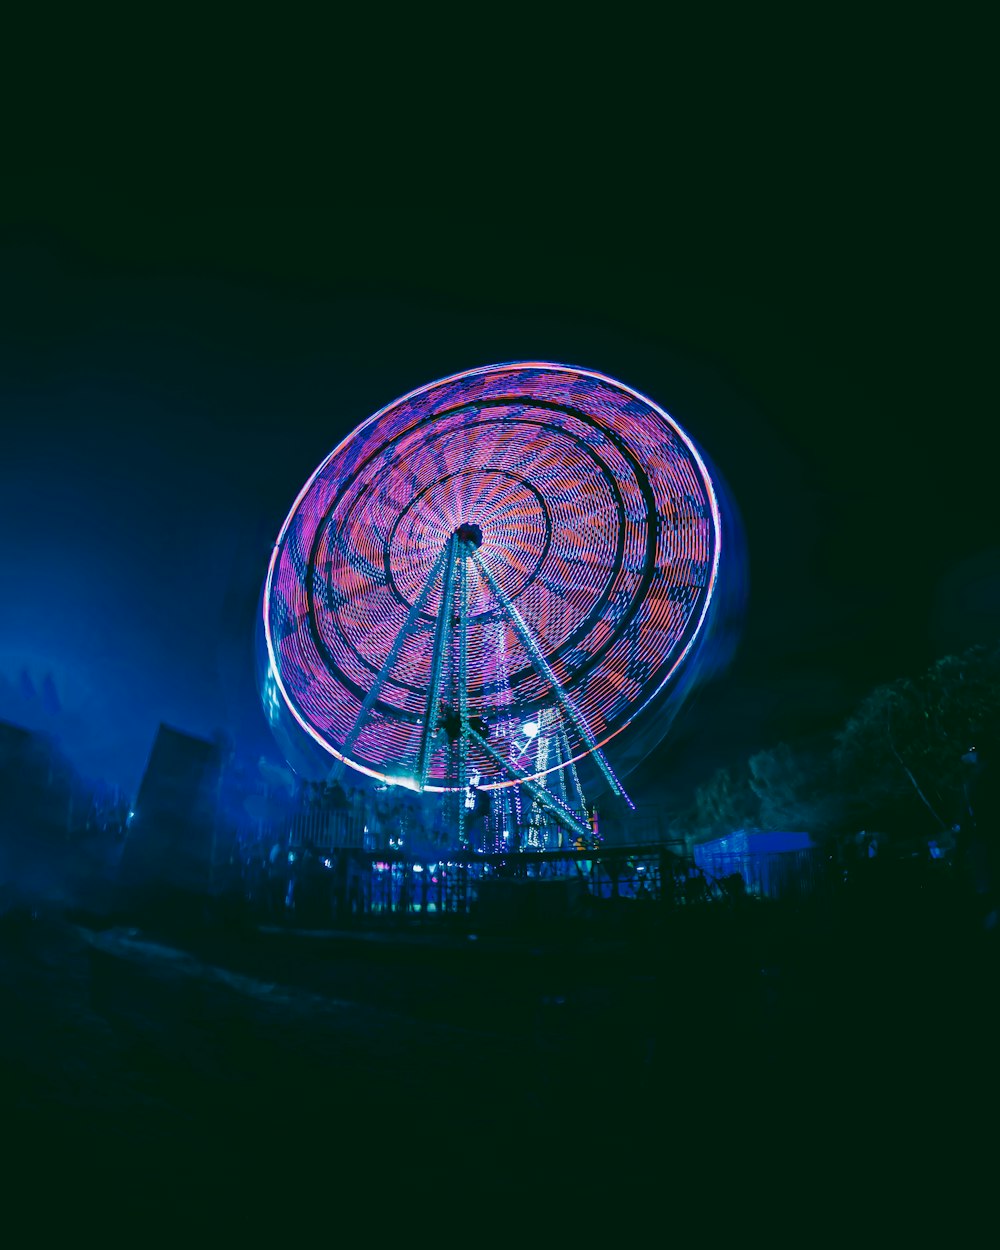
{"x": 350, "y": 881}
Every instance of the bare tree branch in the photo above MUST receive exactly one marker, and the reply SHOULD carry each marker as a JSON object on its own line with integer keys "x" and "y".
{"x": 913, "y": 781}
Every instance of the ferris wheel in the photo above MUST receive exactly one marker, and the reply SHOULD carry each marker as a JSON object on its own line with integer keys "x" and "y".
{"x": 489, "y": 579}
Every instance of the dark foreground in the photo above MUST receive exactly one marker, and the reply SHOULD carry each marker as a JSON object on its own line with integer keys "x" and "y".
{"x": 859, "y": 1032}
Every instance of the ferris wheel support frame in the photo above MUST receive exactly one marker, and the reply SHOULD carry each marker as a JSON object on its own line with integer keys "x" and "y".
{"x": 393, "y": 655}
{"x": 463, "y": 682}
{"x": 544, "y": 668}
{"x": 442, "y": 637}
{"x": 444, "y": 566}
{"x": 548, "y": 800}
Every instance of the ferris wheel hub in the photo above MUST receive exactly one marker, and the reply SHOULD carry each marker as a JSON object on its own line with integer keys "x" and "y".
{"x": 469, "y": 532}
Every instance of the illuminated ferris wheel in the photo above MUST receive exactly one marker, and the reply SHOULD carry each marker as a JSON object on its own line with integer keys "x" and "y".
{"x": 489, "y": 579}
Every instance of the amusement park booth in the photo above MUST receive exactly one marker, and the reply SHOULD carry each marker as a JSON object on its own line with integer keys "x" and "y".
{"x": 773, "y": 864}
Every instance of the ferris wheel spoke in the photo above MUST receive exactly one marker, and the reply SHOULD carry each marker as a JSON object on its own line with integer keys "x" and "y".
{"x": 504, "y": 509}
{"x": 478, "y": 500}
{"x": 562, "y": 760}
{"x": 544, "y": 668}
{"x": 442, "y": 635}
{"x": 405, "y": 631}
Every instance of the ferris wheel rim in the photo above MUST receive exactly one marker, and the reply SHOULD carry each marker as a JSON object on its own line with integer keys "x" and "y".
{"x": 693, "y": 626}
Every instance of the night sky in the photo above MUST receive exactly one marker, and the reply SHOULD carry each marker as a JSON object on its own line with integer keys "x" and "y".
{"x": 180, "y": 348}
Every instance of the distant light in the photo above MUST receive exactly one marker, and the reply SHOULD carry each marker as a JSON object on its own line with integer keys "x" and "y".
{"x": 530, "y": 729}
{"x": 407, "y": 783}
{"x": 418, "y": 867}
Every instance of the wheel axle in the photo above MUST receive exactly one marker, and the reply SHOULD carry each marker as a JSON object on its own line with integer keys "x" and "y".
{"x": 469, "y": 532}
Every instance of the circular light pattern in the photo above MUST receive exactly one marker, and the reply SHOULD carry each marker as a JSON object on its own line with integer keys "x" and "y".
{"x": 589, "y": 506}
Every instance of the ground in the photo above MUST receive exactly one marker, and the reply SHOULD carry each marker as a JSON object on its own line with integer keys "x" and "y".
{"x": 798, "y": 1032}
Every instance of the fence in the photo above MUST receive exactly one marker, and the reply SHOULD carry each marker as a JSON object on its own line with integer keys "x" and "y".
{"x": 385, "y": 883}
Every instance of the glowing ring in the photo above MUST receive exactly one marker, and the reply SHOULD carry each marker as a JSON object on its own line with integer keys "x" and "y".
{"x": 599, "y": 522}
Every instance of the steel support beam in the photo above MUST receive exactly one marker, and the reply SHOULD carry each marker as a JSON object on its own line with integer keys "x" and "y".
{"x": 542, "y": 665}
{"x": 464, "y": 551}
{"x": 547, "y": 800}
{"x": 394, "y": 652}
{"x": 442, "y": 636}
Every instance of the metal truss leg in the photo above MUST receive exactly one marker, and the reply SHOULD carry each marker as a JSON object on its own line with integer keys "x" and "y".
{"x": 394, "y": 651}
{"x": 543, "y": 796}
{"x": 464, "y": 550}
{"x": 442, "y": 636}
{"x": 542, "y": 665}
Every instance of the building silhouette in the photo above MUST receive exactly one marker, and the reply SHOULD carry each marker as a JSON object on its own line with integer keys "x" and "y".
{"x": 173, "y": 827}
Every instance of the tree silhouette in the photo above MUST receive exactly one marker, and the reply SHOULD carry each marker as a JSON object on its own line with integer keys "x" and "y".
{"x": 726, "y": 802}
{"x": 795, "y": 790}
{"x": 907, "y": 737}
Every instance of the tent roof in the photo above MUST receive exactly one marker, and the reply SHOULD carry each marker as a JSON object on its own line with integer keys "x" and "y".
{"x": 754, "y": 842}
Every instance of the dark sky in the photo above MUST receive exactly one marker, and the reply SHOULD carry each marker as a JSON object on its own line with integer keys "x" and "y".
{"x": 179, "y": 350}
